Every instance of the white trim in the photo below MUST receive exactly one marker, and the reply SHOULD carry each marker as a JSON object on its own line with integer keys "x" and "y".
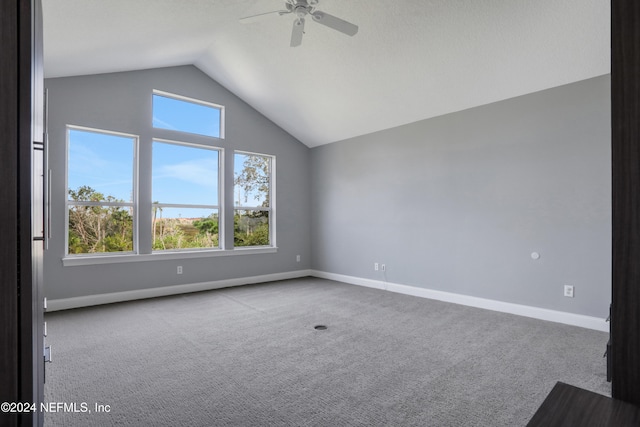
{"x": 181, "y": 205}
{"x": 202, "y": 145}
{"x": 272, "y": 202}
{"x": 583, "y": 321}
{"x": 90, "y": 300}
{"x": 222, "y": 211}
{"x": 136, "y": 197}
{"x": 111, "y": 258}
{"x": 102, "y": 131}
{"x": 572, "y": 319}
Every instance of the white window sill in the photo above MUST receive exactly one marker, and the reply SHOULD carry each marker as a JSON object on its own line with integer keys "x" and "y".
{"x": 71, "y": 261}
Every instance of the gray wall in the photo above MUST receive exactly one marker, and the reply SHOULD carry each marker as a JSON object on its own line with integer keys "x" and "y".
{"x": 459, "y": 202}
{"x": 455, "y": 203}
{"x": 122, "y": 102}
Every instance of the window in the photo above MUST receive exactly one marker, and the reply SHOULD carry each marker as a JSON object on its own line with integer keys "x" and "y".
{"x": 185, "y": 183}
{"x": 253, "y": 199}
{"x": 101, "y": 195}
{"x": 179, "y": 183}
{"x": 183, "y": 114}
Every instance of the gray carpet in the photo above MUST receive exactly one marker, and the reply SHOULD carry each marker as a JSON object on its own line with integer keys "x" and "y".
{"x": 250, "y": 356}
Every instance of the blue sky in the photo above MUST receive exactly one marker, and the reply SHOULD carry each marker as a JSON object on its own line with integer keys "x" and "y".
{"x": 184, "y": 174}
{"x": 103, "y": 162}
{"x": 184, "y": 116}
{"x": 181, "y": 174}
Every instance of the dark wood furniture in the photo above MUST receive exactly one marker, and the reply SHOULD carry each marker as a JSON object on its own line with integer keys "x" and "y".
{"x": 569, "y": 406}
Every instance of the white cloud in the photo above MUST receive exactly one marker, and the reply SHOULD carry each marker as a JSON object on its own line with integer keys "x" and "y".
{"x": 202, "y": 172}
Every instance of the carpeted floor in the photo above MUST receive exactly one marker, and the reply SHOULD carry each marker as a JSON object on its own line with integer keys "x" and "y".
{"x": 250, "y": 356}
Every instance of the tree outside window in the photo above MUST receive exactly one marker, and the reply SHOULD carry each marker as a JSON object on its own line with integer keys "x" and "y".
{"x": 252, "y": 199}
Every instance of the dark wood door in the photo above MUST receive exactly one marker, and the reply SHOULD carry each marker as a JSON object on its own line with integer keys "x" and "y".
{"x": 21, "y": 345}
{"x": 625, "y": 152}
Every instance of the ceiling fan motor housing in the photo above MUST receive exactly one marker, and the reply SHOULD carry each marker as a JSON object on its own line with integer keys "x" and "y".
{"x": 300, "y": 9}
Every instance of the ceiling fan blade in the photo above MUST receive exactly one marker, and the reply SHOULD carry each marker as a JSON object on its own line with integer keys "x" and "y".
{"x": 261, "y": 16}
{"x": 297, "y": 32}
{"x": 336, "y": 23}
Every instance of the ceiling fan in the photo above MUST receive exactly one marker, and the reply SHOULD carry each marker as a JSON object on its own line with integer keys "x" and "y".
{"x": 300, "y": 9}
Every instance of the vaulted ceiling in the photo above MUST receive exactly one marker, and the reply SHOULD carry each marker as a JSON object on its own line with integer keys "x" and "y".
{"x": 410, "y": 60}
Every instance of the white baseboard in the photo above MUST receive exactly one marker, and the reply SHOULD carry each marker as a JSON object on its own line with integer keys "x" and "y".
{"x": 89, "y": 300}
{"x": 588, "y": 322}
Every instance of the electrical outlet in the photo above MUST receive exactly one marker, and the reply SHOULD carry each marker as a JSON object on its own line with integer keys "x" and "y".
{"x": 297, "y": 258}
{"x": 568, "y": 291}
{"x": 383, "y": 267}
{"x": 376, "y": 266}
{"x": 179, "y": 269}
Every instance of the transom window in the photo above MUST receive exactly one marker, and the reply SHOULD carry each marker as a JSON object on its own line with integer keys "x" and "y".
{"x": 189, "y": 115}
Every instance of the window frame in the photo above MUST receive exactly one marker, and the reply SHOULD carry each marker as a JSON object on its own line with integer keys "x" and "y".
{"x": 218, "y": 207}
{"x": 272, "y": 200}
{"x": 183, "y": 98}
{"x": 143, "y": 167}
{"x": 134, "y": 204}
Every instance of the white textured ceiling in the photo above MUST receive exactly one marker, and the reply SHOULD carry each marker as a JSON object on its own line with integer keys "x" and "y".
{"x": 411, "y": 59}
